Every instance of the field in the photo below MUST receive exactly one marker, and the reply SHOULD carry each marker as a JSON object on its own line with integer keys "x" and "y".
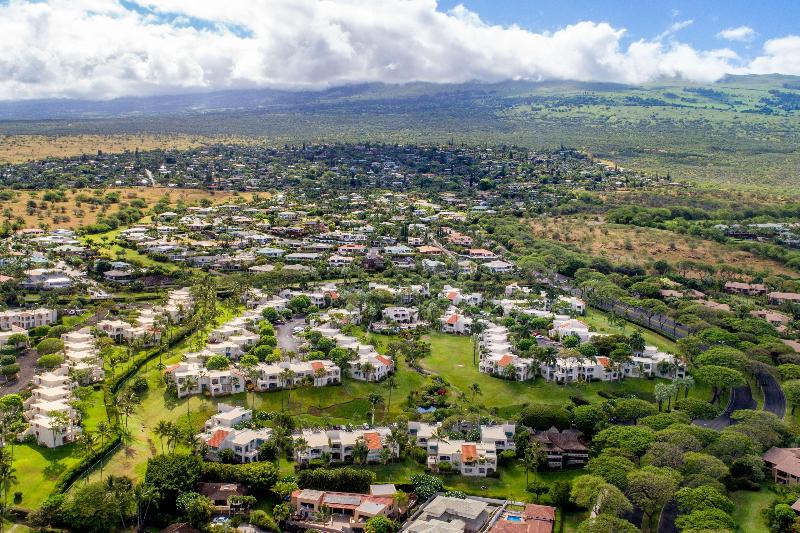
{"x": 82, "y": 213}
{"x": 748, "y": 507}
{"x": 21, "y": 148}
{"x": 641, "y": 245}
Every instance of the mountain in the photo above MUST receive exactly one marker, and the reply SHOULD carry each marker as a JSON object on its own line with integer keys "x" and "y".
{"x": 741, "y": 130}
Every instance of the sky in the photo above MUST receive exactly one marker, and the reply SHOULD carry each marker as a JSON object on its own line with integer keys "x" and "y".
{"x": 102, "y": 49}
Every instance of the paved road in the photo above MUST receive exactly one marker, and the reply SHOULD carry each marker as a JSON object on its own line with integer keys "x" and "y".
{"x": 741, "y": 398}
{"x": 774, "y": 399}
{"x": 286, "y": 341}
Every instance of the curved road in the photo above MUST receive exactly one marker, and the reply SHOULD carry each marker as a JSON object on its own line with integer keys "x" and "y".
{"x": 774, "y": 399}
{"x": 741, "y": 398}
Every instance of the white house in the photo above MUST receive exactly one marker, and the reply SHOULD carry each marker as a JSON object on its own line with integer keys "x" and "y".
{"x": 455, "y": 322}
{"x": 498, "y": 267}
{"x": 27, "y": 318}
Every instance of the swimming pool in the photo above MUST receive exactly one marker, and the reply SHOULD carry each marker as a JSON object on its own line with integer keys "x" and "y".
{"x": 513, "y": 518}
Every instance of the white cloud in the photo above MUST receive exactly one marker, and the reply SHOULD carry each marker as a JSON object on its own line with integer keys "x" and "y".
{"x": 674, "y": 28}
{"x": 742, "y": 34}
{"x": 100, "y": 49}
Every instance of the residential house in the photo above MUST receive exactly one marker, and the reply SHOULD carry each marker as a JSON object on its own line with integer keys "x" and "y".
{"x": 564, "y": 449}
{"x": 27, "y": 318}
{"x": 784, "y": 465}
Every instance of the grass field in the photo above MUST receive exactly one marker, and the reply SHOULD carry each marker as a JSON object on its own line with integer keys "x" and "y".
{"x": 749, "y": 505}
{"x": 84, "y": 213}
{"x": 638, "y": 245}
{"x": 21, "y": 148}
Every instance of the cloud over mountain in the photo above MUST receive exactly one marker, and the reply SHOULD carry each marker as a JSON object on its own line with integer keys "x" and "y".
{"x": 107, "y": 48}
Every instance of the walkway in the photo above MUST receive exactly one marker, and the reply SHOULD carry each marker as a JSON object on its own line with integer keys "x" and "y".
{"x": 741, "y": 398}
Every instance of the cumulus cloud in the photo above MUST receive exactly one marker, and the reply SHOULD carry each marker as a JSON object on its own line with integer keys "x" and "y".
{"x": 742, "y": 34}
{"x": 108, "y": 48}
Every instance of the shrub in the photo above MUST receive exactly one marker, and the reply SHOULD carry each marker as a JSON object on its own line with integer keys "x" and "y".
{"x": 339, "y": 479}
{"x": 172, "y": 475}
{"x": 217, "y": 362}
{"x": 260, "y": 476}
{"x": 419, "y": 455}
{"x": 7, "y": 360}
{"x": 139, "y": 385}
{"x": 50, "y": 361}
{"x": 445, "y": 467}
{"x": 506, "y": 457}
{"x": 56, "y": 331}
{"x": 262, "y": 520}
{"x": 48, "y": 346}
{"x": 695, "y": 408}
{"x": 426, "y": 485}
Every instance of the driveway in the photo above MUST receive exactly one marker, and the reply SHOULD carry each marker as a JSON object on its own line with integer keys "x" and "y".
{"x": 741, "y": 398}
{"x": 286, "y": 341}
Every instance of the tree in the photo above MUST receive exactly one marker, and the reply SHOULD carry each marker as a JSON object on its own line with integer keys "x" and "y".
{"x": 172, "y": 475}
{"x": 49, "y": 346}
{"x": 8, "y": 475}
{"x": 144, "y": 496}
{"x": 189, "y": 384}
{"x": 719, "y": 378}
{"x": 534, "y": 455}
{"x": 381, "y": 524}
{"x": 650, "y": 488}
{"x": 662, "y": 392}
{"x": 374, "y": 399}
{"x": 282, "y": 512}
{"x": 709, "y": 520}
{"x": 605, "y": 523}
{"x": 635, "y": 440}
{"x": 196, "y": 507}
{"x": 93, "y": 508}
{"x": 611, "y": 467}
{"x": 391, "y": 385}
{"x": 217, "y": 362}
{"x": 702, "y": 497}
{"x": 594, "y": 493}
{"x": 475, "y": 389}
{"x": 59, "y": 421}
{"x": 162, "y": 431}
{"x": 792, "y": 391}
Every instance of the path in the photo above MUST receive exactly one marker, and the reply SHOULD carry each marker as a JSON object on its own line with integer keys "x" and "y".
{"x": 741, "y": 398}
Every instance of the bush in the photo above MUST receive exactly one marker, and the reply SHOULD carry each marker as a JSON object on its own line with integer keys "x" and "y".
{"x": 506, "y": 457}
{"x": 426, "y": 485}
{"x": 698, "y": 409}
{"x": 50, "y": 361}
{"x": 542, "y": 417}
{"x": 139, "y": 385}
{"x": 56, "y": 331}
{"x": 48, "y": 346}
{"x": 339, "y": 479}
{"x": 419, "y": 455}
{"x": 9, "y": 370}
{"x": 262, "y": 520}
{"x": 217, "y": 362}
{"x": 260, "y": 476}
{"x": 445, "y": 467}
{"x": 7, "y": 360}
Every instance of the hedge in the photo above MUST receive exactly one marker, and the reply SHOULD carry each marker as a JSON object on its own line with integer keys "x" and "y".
{"x": 339, "y": 479}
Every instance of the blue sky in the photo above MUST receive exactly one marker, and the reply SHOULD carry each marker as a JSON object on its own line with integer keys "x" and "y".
{"x": 646, "y": 19}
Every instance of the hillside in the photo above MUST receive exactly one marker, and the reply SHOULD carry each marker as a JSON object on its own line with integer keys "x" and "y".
{"x": 742, "y": 131}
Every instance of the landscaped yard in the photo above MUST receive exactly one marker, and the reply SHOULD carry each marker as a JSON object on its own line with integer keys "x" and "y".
{"x": 749, "y": 505}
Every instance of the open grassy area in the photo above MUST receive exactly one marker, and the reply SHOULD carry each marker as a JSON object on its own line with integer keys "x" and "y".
{"x": 638, "y": 245}
{"x": 84, "y": 213}
{"x": 598, "y": 321}
{"x": 749, "y": 505}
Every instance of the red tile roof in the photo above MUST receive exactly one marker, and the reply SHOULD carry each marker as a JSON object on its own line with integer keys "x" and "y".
{"x": 468, "y": 452}
{"x": 316, "y": 365}
{"x": 604, "y": 361}
{"x": 506, "y": 360}
{"x": 452, "y": 295}
{"x": 217, "y": 437}
{"x": 373, "y": 440}
{"x": 383, "y": 359}
{"x": 452, "y": 319}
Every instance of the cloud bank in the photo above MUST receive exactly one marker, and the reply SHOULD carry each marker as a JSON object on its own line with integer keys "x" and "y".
{"x": 102, "y": 49}
{"x": 741, "y": 33}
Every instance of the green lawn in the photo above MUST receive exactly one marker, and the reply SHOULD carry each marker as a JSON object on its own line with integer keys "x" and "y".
{"x": 38, "y": 467}
{"x": 598, "y": 321}
{"x": 749, "y": 505}
{"x": 105, "y": 244}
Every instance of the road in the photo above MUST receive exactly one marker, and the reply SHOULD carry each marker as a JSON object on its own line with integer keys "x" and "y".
{"x": 741, "y": 398}
{"x": 286, "y": 341}
{"x": 774, "y": 399}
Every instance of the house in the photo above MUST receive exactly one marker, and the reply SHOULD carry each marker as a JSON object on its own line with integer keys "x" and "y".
{"x": 430, "y": 250}
{"x": 748, "y": 289}
{"x": 778, "y": 298}
{"x": 339, "y": 261}
{"x": 455, "y": 322}
{"x": 445, "y": 514}
{"x": 220, "y": 495}
{"x": 564, "y": 449}
{"x": 46, "y": 279}
{"x": 338, "y": 444}
{"x": 303, "y": 257}
{"x": 508, "y": 365}
{"x": 576, "y": 305}
{"x": 350, "y": 510}
{"x": 532, "y": 519}
{"x": 481, "y": 254}
{"x": 373, "y": 262}
{"x": 773, "y": 317}
{"x": 401, "y": 315}
{"x": 498, "y": 267}
{"x": 191, "y": 378}
{"x": 568, "y": 327}
{"x": 27, "y": 318}
{"x": 784, "y": 464}
{"x": 118, "y": 276}
{"x": 274, "y": 376}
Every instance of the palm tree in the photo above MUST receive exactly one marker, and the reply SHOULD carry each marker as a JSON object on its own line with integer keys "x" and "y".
{"x": 476, "y": 390}
{"x": 391, "y": 384}
{"x": 374, "y": 399}
{"x": 252, "y": 375}
{"x": 287, "y": 376}
{"x": 300, "y": 446}
{"x": 189, "y": 385}
{"x": 661, "y": 392}
{"x": 103, "y": 432}
{"x": 533, "y": 456}
{"x": 440, "y": 435}
{"x": 360, "y": 451}
{"x": 87, "y": 441}
{"x": 126, "y": 405}
{"x": 7, "y": 476}
{"x": 144, "y": 495}
{"x": 173, "y": 437}
{"x": 162, "y": 430}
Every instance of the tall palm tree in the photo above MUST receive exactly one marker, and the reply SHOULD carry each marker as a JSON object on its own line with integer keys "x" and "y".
{"x": 391, "y": 384}
{"x": 300, "y": 446}
{"x": 162, "y": 430}
{"x": 7, "y": 476}
{"x": 287, "y": 376}
{"x": 144, "y": 495}
{"x": 189, "y": 384}
{"x": 476, "y": 391}
{"x": 87, "y": 441}
{"x": 374, "y": 400}
{"x": 103, "y": 432}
